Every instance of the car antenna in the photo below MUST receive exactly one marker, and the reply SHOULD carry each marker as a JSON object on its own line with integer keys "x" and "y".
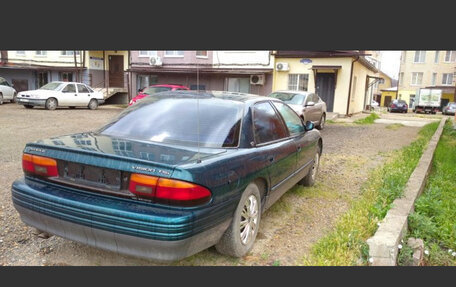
{"x": 198, "y": 158}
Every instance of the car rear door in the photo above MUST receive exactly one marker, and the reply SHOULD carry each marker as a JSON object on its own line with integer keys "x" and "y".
{"x": 272, "y": 139}
{"x": 84, "y": 95}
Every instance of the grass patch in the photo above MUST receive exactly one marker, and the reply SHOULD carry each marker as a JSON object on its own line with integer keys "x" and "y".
{"x": 367, "y": 120}
{"x": 394, "y": 126}
{"x": 346, "y": 244}
{"x": 434, "y": 219}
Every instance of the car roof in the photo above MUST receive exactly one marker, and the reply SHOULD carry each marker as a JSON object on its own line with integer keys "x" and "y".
{"x": 63, "y": 82}
{"x": 224, "y": 95}
{"x": 169, "y": 85}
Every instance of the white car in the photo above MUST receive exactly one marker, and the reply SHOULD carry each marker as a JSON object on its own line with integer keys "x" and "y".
{"x": 7, "y": 92}
{"x": 374, "y": 104}
{"x": 67, "y": 94}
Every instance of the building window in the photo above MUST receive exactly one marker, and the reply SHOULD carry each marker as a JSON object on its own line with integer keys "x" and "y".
{"x": 174, "y": 53}
{"x": 401, "y": 79}
{"x": 42, "y": 78}
{"x": 202, "y": 54}
{"x": 66, "y": 77}
{"x": 147, "y": 53}
{"x": 420, "y": 57}
{"x": 144, "y": 81}
{"x": 450, "y": 56}
{"x": 239, "y": 85}
{"x": 20, "y": 53}
{"x": 417, "y": 79}
{"x": 40, "y": 53}
{"x": 447, "y": 79}
{"x": 69, "y": 53}
{"x": 298, "y": 82}
{"x": 434, "y": 79}
{"x": 436, "y": 59}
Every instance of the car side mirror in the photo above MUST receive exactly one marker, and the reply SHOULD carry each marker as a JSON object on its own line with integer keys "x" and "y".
{"x": 309, "y": 126}
{"x": 310, "y": 104}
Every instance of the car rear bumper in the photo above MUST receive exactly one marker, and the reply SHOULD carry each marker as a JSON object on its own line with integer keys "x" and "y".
{"x": 31, "y": 102}
{"x": 120, "y": 225}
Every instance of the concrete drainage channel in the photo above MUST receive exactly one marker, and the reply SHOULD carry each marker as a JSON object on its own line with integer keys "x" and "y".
{"x": 383, "y": 246}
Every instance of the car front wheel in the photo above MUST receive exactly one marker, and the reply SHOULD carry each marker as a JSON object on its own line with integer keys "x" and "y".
{"x": 238, "y": 239}
{"x": 51, "y": 104}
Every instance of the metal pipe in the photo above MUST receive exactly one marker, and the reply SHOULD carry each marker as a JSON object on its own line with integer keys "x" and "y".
{"x": 350, "y": 85}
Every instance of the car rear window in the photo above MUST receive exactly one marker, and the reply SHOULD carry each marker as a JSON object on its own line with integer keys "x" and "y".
{"x": 289, "y": 98}
{"x": 181, "y": 121}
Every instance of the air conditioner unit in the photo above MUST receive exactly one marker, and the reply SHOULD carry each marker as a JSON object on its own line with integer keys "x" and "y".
{"x": 281, "y": 66}
{"x": 257, "y": 79}
{"x": 155, "y": 61}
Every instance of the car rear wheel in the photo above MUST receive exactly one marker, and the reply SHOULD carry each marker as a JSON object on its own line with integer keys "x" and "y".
{"x": 321, "y": 125}
{"x": 238, "y": 239}
{"x": 309, "y": 179}
{"x": 28, "y": 106}
{"x": 93, "y": 104}
{"x": 1, "y": 99}
{"x": 51, "y": 104}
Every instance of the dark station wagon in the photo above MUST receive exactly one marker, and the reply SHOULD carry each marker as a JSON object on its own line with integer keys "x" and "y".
{"x": 172, "y": 175}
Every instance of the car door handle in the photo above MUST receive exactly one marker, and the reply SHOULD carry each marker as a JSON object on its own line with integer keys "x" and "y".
{"x": 271, "y": 159}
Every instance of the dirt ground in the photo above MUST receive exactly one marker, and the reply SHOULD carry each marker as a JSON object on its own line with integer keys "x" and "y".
{"x": 287, "y": 230}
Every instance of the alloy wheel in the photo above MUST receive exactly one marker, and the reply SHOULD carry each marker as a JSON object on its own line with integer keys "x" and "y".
{"x": 249, "y": 220}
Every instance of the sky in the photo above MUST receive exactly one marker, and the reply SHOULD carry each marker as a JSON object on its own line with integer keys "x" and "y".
{"x": 390, "y": 62}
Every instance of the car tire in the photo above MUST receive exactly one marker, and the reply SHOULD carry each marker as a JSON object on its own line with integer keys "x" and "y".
{"x": 93, "y": 104}
{"x": 51, "y": 104}
{"x": 237, "y": 241}
{"x": 28, "y": 106}
{"x": 14, "y": 98}
{"x": 1, "y": 99}
{"x": 309, "y": 179}
{"x": 321, "y": 124}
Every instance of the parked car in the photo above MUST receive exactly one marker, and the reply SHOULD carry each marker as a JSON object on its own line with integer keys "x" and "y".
{"x": 449, "y": 109}
{"x": 374, "y": 104}
{"x": 7, "y": 92}
{"x": 172, "y": 175}
{"x": 398, "y": 106}
{"x": 61, "y": 94}
{"x": 308, "y": 105}
{"x": 156, "y": 89}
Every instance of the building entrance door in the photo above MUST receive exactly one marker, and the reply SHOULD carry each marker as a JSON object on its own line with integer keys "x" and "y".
{"x": 325, "y": 89}
{"x": 116, "y": 71}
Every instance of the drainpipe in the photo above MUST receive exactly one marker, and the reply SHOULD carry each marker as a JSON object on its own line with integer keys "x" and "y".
{"x": 350, "y": 85}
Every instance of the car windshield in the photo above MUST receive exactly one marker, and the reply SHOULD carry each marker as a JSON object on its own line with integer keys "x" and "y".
{"x": 51, "y": 86}
{"x": 290, "y": 98}
{"x": 181, "y": 121}
{"x": 153, "y": 90}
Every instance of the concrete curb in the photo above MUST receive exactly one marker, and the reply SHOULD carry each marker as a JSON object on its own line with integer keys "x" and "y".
{"x": 383, "y": 246}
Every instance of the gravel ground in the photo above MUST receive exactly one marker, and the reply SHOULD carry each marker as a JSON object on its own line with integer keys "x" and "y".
{"x": 287, "y": 230}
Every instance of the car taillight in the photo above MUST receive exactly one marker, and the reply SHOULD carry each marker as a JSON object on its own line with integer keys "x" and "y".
{"x": 39, "y": 165}
{"x": 168, "y": 191}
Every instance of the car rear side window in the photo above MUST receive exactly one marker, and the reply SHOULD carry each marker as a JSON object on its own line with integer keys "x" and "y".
{"x": 267, "y": 124}
{"x": 82, "y": 89}
{"x": 292, "y": 120}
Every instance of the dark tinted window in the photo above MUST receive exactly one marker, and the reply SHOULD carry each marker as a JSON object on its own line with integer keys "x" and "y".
{"x": 292, "y": 120}
{"x": 70, "y": 88}
{"x": 267, "y": 124}
{"x": 177, "y": 121}
{"x": 3, "y": 82}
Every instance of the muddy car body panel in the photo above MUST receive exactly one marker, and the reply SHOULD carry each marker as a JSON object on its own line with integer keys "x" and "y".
{"x": 89, "y": 197}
